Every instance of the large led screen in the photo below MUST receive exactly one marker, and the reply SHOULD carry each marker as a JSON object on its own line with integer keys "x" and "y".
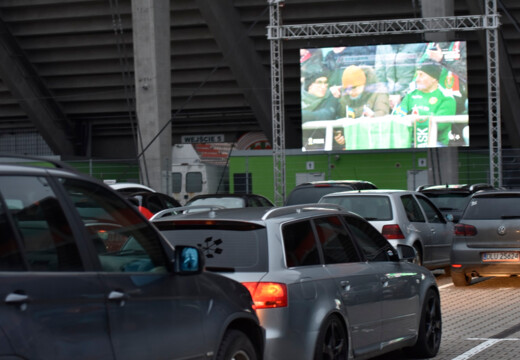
{"x": 391, "y": 96}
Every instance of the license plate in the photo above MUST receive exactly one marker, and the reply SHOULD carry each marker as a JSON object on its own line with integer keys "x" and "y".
{"x": 501, "y": 256}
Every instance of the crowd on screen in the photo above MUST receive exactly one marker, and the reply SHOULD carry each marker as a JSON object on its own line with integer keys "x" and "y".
{"x": 421, "y": 79}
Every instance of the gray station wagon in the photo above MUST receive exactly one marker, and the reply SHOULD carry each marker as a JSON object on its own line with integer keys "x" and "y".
{"x": 325, "y": 283}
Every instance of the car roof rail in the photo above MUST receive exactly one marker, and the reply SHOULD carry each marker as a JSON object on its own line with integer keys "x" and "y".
{"x": 293, "y": 209}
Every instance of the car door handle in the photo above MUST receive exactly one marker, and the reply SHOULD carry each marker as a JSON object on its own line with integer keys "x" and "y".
{"x": 117, "y": 296}
{"x": 14, "y": 298}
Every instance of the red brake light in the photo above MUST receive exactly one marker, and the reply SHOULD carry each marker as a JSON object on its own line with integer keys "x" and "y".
{"x": 465, "y": 230}
{"x": 392, "y": 232}
{"x": 267, "y": 294}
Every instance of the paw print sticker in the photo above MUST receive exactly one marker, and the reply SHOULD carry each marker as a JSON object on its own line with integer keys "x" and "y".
{"x": 210, "y": 247}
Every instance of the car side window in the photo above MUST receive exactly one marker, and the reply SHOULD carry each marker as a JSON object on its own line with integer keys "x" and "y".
{"x": 372, "y": 243}
{"x": 300, "y": 244}
{"x": 412, "y": 209}
{"x": 47, "y": 237}
{"x": 252, "y": 202}
{"x": 10, "y": 255}
{"x": 263, "y": 202}
{"x": 335, "y": 240}
{"x": 432, "y": 214}
{"x": 123, "y": 240}
{"x": 154, "y": 204}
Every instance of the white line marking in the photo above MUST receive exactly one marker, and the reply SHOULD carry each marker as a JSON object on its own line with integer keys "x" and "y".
{"x": 487, "y": 343}
{"x": 506, "y": 339}
{"x": 471, "y": 352}
{"x": 445, "y": 286}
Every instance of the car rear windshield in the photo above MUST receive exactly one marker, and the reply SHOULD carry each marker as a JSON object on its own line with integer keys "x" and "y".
{"x": 449, "y": 201}
{"x": 372, "y": 208}
{"x": 227, "y": 246}
{"x": 493, "y": 207}
{"x": 230, "y": 202}
{"x": 312, "y": 194}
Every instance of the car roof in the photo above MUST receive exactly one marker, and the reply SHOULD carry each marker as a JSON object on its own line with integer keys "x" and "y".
{"x": 148, "y": 193}
{"x": 36, "y": 170}
{"x": 369, "y": 192}
{"x": 129, "y": 185}
{"x": 259, "y": 215}
{"x": 336, "y": 182}
{"x": 497, "y": 193}
{"x": 222, "y": 195}
{"x": 470, "y": 188}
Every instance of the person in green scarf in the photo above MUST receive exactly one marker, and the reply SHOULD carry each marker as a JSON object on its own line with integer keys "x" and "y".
{"x": 428, "y": 99}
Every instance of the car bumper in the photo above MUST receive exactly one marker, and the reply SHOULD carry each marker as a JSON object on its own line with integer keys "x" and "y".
{"x": 284, "y": 339}
{"x": 469, "y": 261}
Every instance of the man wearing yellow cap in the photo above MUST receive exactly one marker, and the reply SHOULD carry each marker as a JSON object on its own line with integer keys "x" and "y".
{"x": 360, "y": 95}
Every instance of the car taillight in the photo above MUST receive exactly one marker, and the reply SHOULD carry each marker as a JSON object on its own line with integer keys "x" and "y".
{"x": 267, "y": 294}
{"x": 465, "y": 230}
{"x": 392, "y": 232}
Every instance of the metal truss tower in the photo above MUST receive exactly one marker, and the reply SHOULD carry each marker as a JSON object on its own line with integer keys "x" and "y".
{"x": 495, "y": 132}
{"x": 277, "y": 32}
{"x": 277, "y": 102}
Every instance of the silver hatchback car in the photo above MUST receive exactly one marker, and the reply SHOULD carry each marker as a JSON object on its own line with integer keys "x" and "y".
{"x": 487, "y": 239}
{"x": 403, "y": 217}
{"x": 325, "y": 283}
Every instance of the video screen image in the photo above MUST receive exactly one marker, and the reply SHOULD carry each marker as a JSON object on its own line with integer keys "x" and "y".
{"x": 390, "y": 96}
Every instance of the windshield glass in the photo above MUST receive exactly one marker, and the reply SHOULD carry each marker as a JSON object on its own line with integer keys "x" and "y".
{"x": 376, "y": 208}
{"x": 238, "y": 247}
{"x": 450, "y": 201}
{"x": 493, "y": 208}
{"x": 231, "y": 202}
{"x": 311, "y": 195}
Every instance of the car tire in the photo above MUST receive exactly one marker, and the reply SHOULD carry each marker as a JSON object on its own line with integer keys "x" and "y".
{"x": 332, "y": 343}
{"x": 430, "y": 328}
{"x": 460, "y": 279}
{"x": 236, "y": 346}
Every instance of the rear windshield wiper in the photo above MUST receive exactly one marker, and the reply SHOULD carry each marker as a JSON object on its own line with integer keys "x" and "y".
{"x": 510, "y": 217}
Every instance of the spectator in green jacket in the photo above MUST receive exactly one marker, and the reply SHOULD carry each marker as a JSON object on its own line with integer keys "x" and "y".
{"x": 428, "y": 99}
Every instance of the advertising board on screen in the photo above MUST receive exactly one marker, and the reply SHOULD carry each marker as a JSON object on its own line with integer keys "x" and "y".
{"x": 390, "y": 96}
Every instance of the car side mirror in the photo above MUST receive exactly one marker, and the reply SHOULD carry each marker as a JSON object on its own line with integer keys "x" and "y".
{"x": 188, "y": 260}
{"x": 406, "y": 252}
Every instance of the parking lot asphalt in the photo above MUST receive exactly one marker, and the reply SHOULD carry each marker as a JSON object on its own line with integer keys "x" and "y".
{"x": 480, "y": 321}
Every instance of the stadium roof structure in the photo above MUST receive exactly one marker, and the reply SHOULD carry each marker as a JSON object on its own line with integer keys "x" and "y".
{"x": 67, "y": 72}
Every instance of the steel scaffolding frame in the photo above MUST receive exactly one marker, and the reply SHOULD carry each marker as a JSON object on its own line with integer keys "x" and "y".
{"x": 276, "y": 32}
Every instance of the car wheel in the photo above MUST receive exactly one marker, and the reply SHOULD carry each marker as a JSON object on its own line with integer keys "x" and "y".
{"x": 460, "y": 279}
{"x": 430, "y": 328}
{"x": 236, "y": 346}
{"x": 332, "y": 341}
